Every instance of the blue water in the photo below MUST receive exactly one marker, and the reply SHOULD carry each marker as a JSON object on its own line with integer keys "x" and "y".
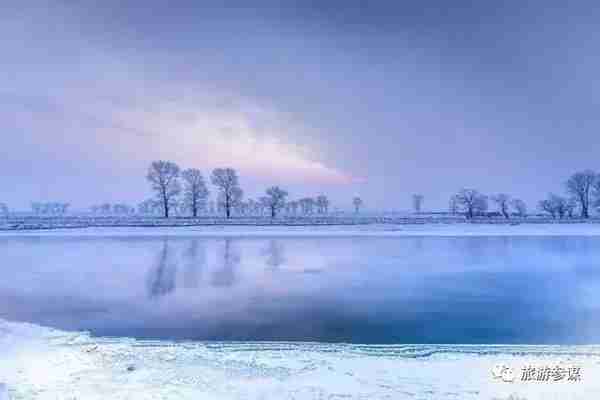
{"x": 476, "y": 290}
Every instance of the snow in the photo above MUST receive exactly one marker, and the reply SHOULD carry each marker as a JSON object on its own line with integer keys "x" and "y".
{"x": 41, "y": 363}
{"x": 377, "y": 230}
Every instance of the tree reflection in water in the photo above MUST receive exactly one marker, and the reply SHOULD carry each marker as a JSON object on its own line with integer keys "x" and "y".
{"x": 230, "y": 259}
{"x": 275, "y": 255}
{"x": 195, "y": 261}
{"x": 161, "y": 278}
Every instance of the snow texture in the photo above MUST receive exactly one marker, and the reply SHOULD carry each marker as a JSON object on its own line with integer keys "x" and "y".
{"x": 41, "y": 363}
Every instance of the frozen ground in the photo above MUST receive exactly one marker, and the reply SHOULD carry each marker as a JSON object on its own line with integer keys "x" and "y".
{"x": 454, "y": 229}
{"x": 39, "y": 363}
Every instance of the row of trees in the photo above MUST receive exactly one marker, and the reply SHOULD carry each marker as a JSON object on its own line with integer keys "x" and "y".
{"x": 473, "y": 203}
{"x": 582, "y": 194}
{"x": 186, "y": 192}
{"x": 113, "y": 209}
{"x": 49, "y": 208}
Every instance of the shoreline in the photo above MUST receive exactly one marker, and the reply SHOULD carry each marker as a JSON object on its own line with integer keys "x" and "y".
{"x": 45, "y": 363}
{"x": 367, "y": 230}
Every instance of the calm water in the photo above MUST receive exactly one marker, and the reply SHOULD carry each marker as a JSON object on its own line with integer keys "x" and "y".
{"x": 364, "y": 290}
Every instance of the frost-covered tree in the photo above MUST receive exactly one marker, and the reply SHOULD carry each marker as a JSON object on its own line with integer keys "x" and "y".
{"x": 307, "y": 205}
{"x": 228, "y": 186}
{"x": 275, "y": 199}
{"x": 571, "y": 207}
{"x": 418, "y": 202}
{"x": 596, "y": 193}
{"x": 147, "y": 207}
{"x": 560, "y": 204}
{"x": 519, "y": 207}
{"x": 50, "y": 208}
{"x": 322, "y": 203}
{"x": 580, "y": 185}
{"x": 3, "y": 210}
{"x": 471, "y": 202}
{"x": 357, "y": 203}
{"x": 122, "y": 209}
{"x": 164, "y": 178}
{"x": 556, "y": 206}
{"x": 502, "y": 200}
{"x": 195, "y": 192}
{"x": 547, "y": 206}
{"x": 453, "y": 205}
{"x": 291, "y": 207}
{"x": 252, "y": 207}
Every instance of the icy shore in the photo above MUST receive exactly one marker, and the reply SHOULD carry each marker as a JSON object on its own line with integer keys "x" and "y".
{"x": 41, "y": 363}
{"x": 377, "y": 230}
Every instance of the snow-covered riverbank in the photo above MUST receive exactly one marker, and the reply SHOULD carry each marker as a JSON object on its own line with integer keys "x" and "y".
{"x": 383, "y": 230}
{"x": 40, "y": 363}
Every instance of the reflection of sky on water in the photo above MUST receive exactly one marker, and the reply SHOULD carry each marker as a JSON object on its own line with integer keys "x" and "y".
{"x": 370, "y": 290}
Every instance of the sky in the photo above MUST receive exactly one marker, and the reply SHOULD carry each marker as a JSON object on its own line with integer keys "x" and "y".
{"x": 376, "y": 99}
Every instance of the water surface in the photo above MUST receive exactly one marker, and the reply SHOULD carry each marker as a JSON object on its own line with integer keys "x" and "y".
{"x": 512, "y": 290}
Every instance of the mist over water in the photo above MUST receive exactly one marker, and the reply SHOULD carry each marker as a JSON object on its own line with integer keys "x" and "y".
{"x": 525, "y": 290}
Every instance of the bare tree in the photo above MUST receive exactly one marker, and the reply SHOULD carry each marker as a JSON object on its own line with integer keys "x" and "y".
{"x": 417, "y": 202}
{"x": 571, "y": 206}
{"x": 275, "y": 199}
{"x": 195, "y": 192}
{"x": 164, "y": 178}
{"x": 547, "y": 206}
{"x": 580, "y": 185}
{"x": 502, "y": 200}
{"x": 322, "y": 203}
{"x": 227, "y": 183}
{"x": 147, "y": 207}
{"x": 263, "y": 203}
{"x": 596, "y": 192}
{"x": 471, "y": 202}
{"x": 453, "y": 205}
{"x": 306, "y": 205}
{"x": 555, "y": 206}
{"x": 293, "y": 207}
{"x": 50, "y": 208}
{"x": 357, "y": 202}
{"x": 519, "y": 207}
{"x": 123, "y": 209}
{"x": 560, "y": 205}
{"x": 3, "y": 210}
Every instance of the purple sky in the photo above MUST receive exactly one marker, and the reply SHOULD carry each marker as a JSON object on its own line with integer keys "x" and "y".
{"x": 374, "y": 100}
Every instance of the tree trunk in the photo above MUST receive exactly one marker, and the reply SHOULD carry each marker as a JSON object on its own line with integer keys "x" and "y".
{"x": 166, "y": 205}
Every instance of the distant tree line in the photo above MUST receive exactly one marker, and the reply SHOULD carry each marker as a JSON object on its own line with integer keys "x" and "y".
{"x": 582, "y": 194}
{"x": 112, "y": 209}
{"x": 49, "y": 208}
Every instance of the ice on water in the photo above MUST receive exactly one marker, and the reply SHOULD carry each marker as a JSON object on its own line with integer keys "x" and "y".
{"x": 42, "y": 363}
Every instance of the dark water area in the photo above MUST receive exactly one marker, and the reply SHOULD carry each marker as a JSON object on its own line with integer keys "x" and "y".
{"x": 484, "y": 290}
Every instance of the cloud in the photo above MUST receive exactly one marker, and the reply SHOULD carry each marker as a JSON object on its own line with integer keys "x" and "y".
{"x": 214, "y": 130}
